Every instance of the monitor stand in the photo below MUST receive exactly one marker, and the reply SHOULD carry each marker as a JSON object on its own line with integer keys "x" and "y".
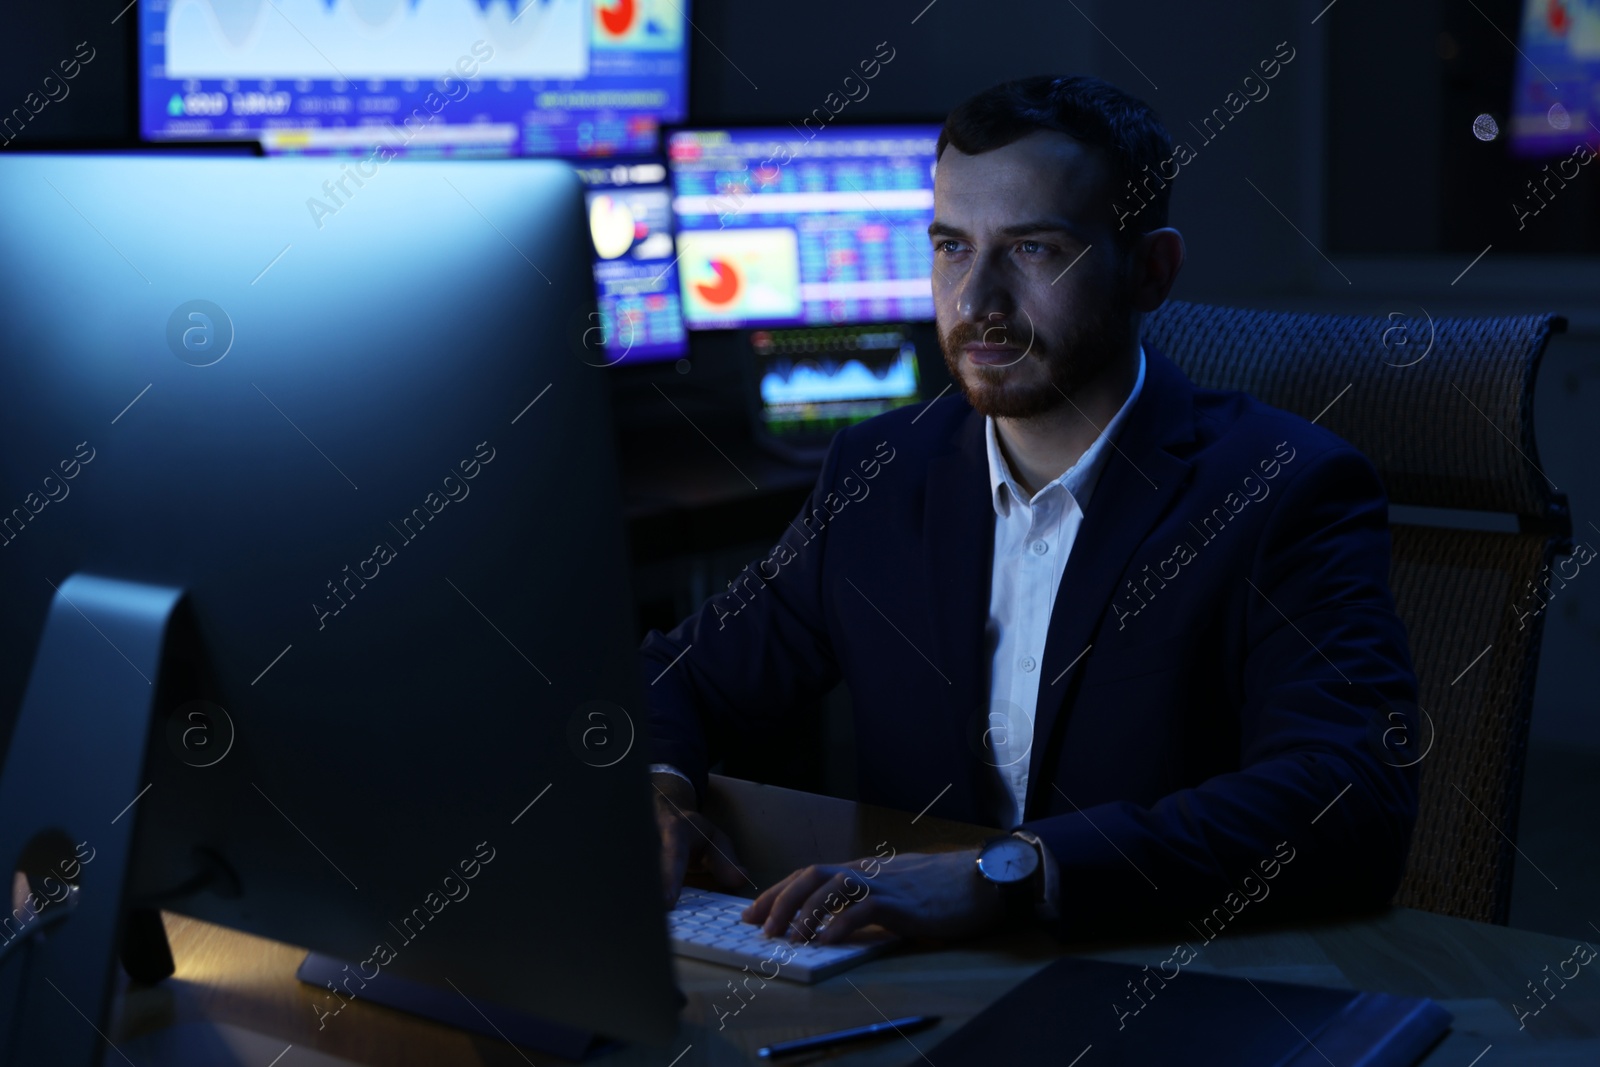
{"x": 73, "y": 772}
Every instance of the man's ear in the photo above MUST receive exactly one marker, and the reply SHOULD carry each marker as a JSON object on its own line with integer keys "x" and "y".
{"x": 1157, "y": 259}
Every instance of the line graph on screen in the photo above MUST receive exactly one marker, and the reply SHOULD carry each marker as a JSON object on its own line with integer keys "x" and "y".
{"x": 374, "y": 39}
{"x": 808, "y": 381}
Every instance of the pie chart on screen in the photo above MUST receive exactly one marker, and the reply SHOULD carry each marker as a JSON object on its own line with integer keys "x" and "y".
{"x": 721, "y": 292}
{"x": 611, "y": 226}
{"x": 651, "y": 25}
{"x": 729, "y": 276}
{"x": 617, "y": 17}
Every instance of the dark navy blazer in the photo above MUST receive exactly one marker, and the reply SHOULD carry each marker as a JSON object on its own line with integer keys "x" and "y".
{"x": 1225, "y": 690}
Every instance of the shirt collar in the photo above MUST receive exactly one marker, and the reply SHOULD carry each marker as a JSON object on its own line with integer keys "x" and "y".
{"x": 1079, "y": 479}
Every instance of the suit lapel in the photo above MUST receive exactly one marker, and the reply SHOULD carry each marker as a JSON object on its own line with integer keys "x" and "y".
{"x": 1138, "y": 483}
{"x": 958, "y": 531}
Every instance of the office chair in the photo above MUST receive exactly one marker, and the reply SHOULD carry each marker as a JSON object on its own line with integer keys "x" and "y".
{"x": 1444, "y": 408}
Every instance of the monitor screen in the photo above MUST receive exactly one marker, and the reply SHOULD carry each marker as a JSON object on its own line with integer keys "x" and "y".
{"x": 1556, "y": 93}
{"x": 818, "y": 379}
{"x": 506, "y": 77}
{"x": 635, "y": 272}
{"x": 779, "y": 226}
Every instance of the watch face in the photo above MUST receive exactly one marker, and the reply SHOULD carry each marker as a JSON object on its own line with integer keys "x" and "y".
{"x": 1007, "y": 860}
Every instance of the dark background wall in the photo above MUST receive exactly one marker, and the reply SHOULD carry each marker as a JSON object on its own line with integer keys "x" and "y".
{"x": 1355, "y": 186}
{"x": 100, "y": 103}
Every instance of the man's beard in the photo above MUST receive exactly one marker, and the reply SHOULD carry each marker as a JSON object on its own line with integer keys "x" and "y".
{"x": 1080, "y": 357}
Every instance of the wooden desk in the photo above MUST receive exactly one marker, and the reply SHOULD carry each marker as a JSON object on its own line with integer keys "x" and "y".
{"x": 1475, "y": 970}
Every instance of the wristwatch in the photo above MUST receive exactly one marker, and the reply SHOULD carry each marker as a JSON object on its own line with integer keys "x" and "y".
{"x": 1016, "y": 867}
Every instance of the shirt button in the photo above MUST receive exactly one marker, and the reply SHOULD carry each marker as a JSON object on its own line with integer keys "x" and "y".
{"x": 1028, "y": 663}
{"x": 1040, "y": 548}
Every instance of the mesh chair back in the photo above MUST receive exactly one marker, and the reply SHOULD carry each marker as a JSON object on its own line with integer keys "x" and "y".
{"x": 1444, "y": 408}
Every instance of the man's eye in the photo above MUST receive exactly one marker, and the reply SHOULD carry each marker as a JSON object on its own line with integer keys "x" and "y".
{"x": 946, "y": 246}
{"x": 1031, "y": 247}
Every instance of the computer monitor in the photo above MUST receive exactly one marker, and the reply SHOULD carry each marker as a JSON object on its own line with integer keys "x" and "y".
{"x": 795, "y": 226}
{"x": 813, "y": 382}
{"x": 1556, "y": 90}
{"x": 812, "y": 240}
{"x": 635, "y": 264}
{"x": 317, "y": 608}
{"x": 529, "y": 77}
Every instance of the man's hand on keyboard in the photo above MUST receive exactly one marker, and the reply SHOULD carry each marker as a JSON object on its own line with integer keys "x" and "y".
{"x": 689, "y": 841}
{"x": 937, "y": 895}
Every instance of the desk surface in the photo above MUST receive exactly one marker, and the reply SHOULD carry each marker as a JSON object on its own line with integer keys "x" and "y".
{"x": 1476, "y": 971}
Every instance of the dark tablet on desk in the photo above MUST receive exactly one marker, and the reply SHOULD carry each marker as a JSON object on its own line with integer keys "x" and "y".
{"x": 1092, "y": 1013}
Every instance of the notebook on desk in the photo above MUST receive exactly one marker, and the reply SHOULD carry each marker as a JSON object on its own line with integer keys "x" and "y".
{"x": 1116, "y": 1014}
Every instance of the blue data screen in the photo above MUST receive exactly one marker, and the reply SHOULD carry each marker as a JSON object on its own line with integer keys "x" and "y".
{"x": 1556, "y": 95}
{"x": 576, "y": 78}
{"x": 785, "y": 226}
{"x": 635, "y": 276}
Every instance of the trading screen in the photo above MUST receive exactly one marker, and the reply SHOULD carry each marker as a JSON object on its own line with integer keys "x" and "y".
{"x": 782, "y": 226}
{"x": 576, "y": 78}
{"x": 1556, "y": 97}
{"x": 818, "y": 379}
{"x": 635, "y": 274}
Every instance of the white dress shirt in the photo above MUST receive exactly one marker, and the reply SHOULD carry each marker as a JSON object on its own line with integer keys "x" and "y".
{"x": 1033, "y": 537}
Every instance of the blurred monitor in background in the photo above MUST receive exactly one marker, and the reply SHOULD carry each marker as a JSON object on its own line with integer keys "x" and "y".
{"x": 573, "y": 78}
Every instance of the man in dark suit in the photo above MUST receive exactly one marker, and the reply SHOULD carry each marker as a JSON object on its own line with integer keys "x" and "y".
{"x": 1144, "y": 627}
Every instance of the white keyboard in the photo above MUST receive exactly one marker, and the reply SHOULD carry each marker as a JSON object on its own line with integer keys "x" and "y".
{"x": 706, "y": 926}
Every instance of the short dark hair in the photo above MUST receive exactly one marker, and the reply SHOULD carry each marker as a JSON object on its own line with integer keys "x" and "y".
{"x": 1087, "y": 109}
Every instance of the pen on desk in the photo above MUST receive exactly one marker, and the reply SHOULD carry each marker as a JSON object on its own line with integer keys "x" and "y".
{"x": 839, "y": 1037}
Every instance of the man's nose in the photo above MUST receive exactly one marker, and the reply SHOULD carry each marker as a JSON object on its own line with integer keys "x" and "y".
{"x": 985, "y": 296}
